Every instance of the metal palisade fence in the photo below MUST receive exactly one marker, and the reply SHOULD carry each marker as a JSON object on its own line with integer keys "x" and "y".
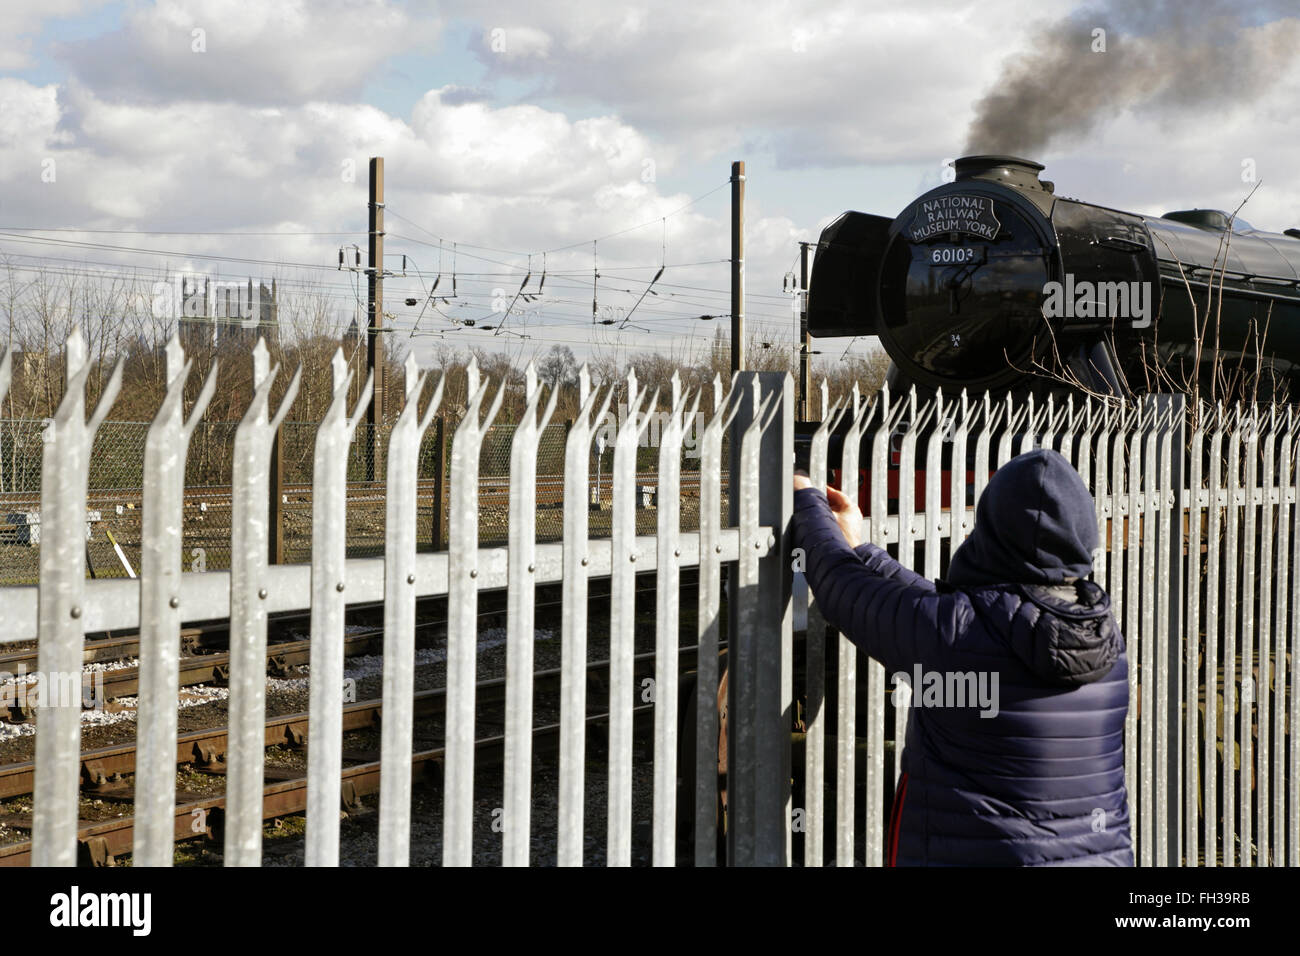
{"x": 64, "y": 605}
{"x": 1200, "y": 551}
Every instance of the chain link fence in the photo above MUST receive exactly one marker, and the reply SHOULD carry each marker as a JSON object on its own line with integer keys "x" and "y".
{"x": 115, "y": 499}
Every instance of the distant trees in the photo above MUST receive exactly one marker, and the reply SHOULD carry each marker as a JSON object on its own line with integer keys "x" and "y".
{"x": 868, "y": 371}
{"x": 118, "y": 316}
{"x": 558, "y": 368}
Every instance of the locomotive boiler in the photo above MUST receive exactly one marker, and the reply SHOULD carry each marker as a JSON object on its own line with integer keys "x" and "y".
{"x": 994, "y": 282}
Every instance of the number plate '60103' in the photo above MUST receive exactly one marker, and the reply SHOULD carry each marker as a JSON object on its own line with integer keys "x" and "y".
{"x": 955, "y": 255}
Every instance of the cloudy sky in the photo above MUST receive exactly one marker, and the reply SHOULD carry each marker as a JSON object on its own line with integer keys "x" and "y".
{"x": 143, "y": 136}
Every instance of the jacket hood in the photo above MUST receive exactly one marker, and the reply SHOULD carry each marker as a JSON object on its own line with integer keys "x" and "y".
{"x": 1066, "y": 634}
{"x": 1035, "y": 523}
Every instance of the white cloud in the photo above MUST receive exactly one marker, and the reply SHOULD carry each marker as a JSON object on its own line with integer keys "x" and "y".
{"x": 25, "y": 19}
{"x": 515, "y": 176}
{"x": 821, "y": 84}
{"x": 30, "y": 115}
{"x": 272, "y": 51}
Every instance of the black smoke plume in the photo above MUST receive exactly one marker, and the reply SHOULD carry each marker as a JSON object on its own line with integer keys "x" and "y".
{"x": 1193, "y": 55}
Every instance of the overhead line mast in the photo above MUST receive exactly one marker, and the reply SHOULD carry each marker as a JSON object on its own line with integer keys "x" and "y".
{"x": 375, "y": 316}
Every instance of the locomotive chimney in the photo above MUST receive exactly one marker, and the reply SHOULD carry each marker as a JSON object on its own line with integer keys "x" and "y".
{"x": 1007, "y": 170}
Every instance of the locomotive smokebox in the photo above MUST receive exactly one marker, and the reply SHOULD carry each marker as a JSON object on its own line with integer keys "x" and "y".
{"x": 992, "y": 281}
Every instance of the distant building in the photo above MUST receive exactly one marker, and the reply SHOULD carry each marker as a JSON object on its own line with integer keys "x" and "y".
{"x": 227, "y": 314}
{"x": 352, "y": 339}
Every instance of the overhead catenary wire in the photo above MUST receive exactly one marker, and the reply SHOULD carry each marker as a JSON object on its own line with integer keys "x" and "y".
{"x": 663, "y": 220}
{"x": 35, "y": 263}
{"x": 18, "y": 234}
{"x": 560, "y": 316}
{"x": 506, "y": 317}
{"x": 663, "y": 259}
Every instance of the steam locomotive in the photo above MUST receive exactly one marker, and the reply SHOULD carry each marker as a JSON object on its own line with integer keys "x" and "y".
{"x": 994, "y": 282}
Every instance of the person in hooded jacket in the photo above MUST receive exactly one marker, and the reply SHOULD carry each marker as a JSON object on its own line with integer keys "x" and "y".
{"x": 1037, "y": 778}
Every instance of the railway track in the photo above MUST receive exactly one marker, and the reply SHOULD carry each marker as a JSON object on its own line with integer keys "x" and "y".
{"x": 99, "y": 687}
{"x": 100, "y": 843}
{"x": 104, "y": 771}
{"x": 198, "y": 669}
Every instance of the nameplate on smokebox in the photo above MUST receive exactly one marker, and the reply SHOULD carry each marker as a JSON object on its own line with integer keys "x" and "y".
{"x": 972, "y": 215}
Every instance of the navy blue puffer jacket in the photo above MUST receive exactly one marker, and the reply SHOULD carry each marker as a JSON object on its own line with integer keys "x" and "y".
{"x": 1015, "y": 737}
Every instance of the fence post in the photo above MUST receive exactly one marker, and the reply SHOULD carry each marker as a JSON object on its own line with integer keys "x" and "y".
{"x": 847, "y": 669}
{"x": 815, "y": 641}
{"x": 248, "y": 593}
{"x": 462, "y": 622}
{"x": 329, "y": 499}
{"x": 160, "y": 613}
{"x": 1172, "y": 446}
{"x": 710, "y": 594}
{"x": 622, "y": 623}
{"x": 760, "y": 714}
{"x": 6, "y": 373}
{"x": 400, "y": 509}
{"x": 520, "y": 617}
{"x": 573, "y": 626}
{"x": 65, "y": 465}
{"x": 667, "y": 620}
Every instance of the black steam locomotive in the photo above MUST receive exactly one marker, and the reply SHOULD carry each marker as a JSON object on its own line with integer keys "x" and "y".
{"x": 994, "y": 282}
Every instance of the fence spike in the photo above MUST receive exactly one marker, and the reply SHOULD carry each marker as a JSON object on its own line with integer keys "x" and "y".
{"x": 328, "y": 580}
{"x": 573, "y": 629}
{"x": 166, "y": 448}
{"x": 623, "y": 556}
{"x": 462, "y": 614}
{"x": 61, "y": 604}
{"x": 248, "y": 597}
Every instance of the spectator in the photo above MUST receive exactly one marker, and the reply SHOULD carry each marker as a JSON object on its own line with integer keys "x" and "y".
{"x": 1034, "y": 777}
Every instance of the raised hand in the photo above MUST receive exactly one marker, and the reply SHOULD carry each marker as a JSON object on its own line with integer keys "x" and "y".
{"x": 847, "y": 515}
